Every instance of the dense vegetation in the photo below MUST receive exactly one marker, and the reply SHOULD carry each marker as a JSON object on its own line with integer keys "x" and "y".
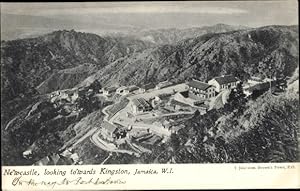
{"x": 45, "y": 128}
{"x": 265, "y": 52}
{"x": 26, "y": 63}
{"x": 260, "y": 128}
{"x": 265, "y": 130}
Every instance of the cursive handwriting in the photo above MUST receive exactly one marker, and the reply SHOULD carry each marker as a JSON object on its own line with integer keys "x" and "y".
{"x": 19, "y": 181}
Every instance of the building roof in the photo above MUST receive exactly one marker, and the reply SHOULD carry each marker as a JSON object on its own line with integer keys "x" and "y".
{"x": 110, "y": 89}
{"x": 164, "y": 84}
{"x": 177, "y": 127}
{"x": 132, "y": 88}
{"x": 258, "y": 79}
{"x": 141, "y": 103}
{"x": 225, "y": 79}
{"x": 109, "y": 127}
{"x": 122, "y": 88}
{"x": 262, "y": 86}
{"x": 199, "y": 85}
{"x": 164, "y": 95}
{"x": 185, "y": 94}
{"x": 148, "y": 86}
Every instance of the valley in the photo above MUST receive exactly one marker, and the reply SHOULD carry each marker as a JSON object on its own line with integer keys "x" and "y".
{"x": 78, "y": 98}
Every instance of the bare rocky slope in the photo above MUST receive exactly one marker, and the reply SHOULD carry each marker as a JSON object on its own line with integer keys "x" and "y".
{"x": 266, "y": 51}
{"x": 64, "y": 59}
{"x": 26, "y": 63}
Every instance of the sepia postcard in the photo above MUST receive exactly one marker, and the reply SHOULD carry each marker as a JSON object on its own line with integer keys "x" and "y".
{"x": 150, "y": 95}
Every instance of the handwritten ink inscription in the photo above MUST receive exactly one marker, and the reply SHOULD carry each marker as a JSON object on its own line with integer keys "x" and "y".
{"x": 21, "y": 181}
{"x": 78, "y": 176}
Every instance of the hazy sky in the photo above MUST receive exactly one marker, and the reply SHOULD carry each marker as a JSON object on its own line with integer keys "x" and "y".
{"x": 254, "y": 13}
{"x": 98, "y": 16}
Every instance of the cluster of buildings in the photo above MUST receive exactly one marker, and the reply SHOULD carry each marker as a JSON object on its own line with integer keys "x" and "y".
{"x": 65, "y": 99}
{"x": 199, "y": 92}
{"x": 196, "y": 94}
{"x": 68, "y": 95}
{"x": 202, "y": 90}
{"x": 123, "y": 90}
{"x": 140, "y": 105}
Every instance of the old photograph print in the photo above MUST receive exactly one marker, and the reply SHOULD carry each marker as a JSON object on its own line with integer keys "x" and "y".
{"x": 149, "y": 82}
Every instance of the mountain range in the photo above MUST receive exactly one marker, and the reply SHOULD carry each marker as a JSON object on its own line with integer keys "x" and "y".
{"x": 33, "y": 67}
{"x": 267, "y": 52}
{"x": 174, "y": 35}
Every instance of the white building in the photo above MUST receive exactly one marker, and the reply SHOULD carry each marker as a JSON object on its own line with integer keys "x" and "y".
{"x": 74, "y": 97}
{"x": 132, "y": 88}
{"x": 224, "y": 82}
{"x": 122, "y": 90}
{"x": 146, "y": 87}
{"x": 163, "y": 84}
{"x": 27, "y": 154}
{"x": 75, "y": 158}
{"x": 254, "y": 80}
{"x": 140, "y": 105}
{"x": 109, "y": 91}
{"x": 200, "y": 90}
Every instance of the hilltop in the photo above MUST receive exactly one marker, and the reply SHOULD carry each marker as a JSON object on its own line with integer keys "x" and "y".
{"x": 33, "y": 69}
{"x": 26, "y": 63}
{"x": 174, "y": 35}
{"x": 266, "y": 51}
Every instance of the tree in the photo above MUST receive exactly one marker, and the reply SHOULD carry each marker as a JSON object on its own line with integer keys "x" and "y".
{"x": 281, "y": 83}
{"x": 197, "y": 113}
{"x": 95, "y": 86}
{"x": 237, "y": 100}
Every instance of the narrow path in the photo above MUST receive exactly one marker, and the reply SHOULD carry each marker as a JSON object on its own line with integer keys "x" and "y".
{"x": 138, "y": 148}
{"x": 33, "y": 108}
{"x": 89, "y": 133}
{"x": 107, "y": 146}
{"x": 106, "y": 159}
{"x": 82, "y": 138}
{"x": 105, "y": 113}
{"x": 95, "y": 139}
{"x": 10, "y": 122}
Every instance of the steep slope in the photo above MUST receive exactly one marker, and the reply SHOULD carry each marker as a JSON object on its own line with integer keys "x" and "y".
{"x": 262, "y": 130}
{"x": 266, "y": 51}
{"x": 44, "y": 127}
{"x": 66, "y": 78}
{"x": 26, "y": 63}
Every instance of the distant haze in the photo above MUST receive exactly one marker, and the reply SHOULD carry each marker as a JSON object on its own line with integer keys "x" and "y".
{"x": 19, "y": 20}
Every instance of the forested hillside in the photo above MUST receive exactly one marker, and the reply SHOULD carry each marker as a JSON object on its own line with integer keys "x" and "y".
{"x": 26, "y": 63}
{"x": 267, "y": 52}
{"x": 264, "y": 130}
{"x": 263, "y": 127}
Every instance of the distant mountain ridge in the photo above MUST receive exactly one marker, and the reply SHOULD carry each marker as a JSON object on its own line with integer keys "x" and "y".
{"x": 266, "y": 51}
{"x": 31, "y": 68}
{"x": 174, "y": 35}
{"x": 26, "y": 63}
